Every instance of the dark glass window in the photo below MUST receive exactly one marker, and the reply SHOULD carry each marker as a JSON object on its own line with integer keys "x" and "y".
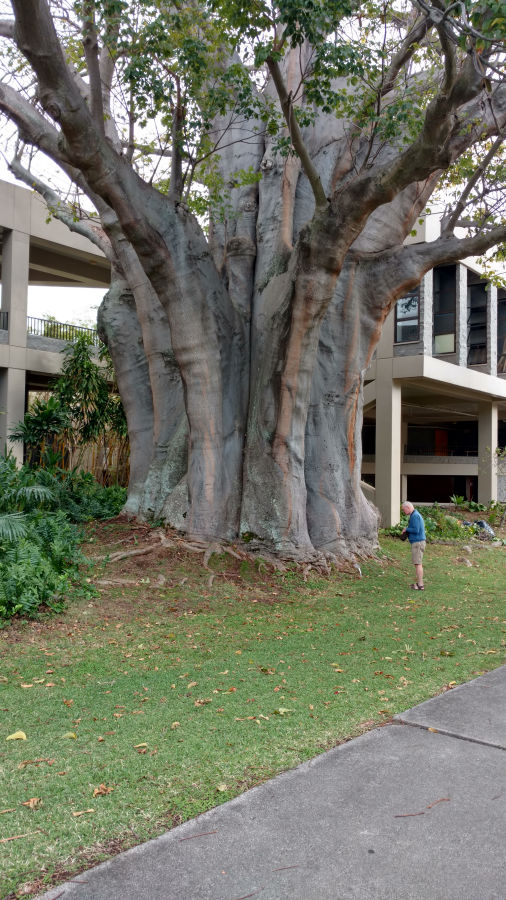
{"x": 501, "y": 335}
{"x": 444, "y": 310}
{"x": 476, "y": 324}
{"x": 407, "y": 321}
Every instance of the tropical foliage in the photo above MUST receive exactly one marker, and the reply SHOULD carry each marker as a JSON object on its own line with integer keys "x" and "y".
{"x": 82, "y": 419}
{"x": 39, "y": 551}
{"x": 39, "y": 542}
{"x": 440, "y": 524}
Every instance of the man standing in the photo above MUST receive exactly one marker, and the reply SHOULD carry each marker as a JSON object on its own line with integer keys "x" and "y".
{"x": 415, "y": 531}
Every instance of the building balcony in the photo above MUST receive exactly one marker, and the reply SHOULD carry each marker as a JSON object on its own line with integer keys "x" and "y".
{"x": 48, "y": 329}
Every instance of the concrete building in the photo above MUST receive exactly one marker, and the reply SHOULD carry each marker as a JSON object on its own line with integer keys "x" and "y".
{"x": 435, "y": 394}
{"x": 39, "y": 252}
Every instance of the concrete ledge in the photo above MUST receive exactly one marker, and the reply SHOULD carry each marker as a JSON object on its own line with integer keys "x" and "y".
{"x": 475, "y": 711}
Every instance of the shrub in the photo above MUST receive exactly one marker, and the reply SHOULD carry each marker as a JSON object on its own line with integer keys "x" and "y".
{"x": 39, "y": 545}
{"x": 80, "y": 496}
{"x": 439, "y": 525}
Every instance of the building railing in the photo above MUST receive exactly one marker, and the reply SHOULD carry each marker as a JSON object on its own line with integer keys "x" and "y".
{"x": 429, "y": 456}
{"x": 60, "y": 330}
{"x": 411, "y": 451}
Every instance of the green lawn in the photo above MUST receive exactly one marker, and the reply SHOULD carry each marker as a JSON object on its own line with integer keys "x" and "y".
{"x": 152, "y": 703}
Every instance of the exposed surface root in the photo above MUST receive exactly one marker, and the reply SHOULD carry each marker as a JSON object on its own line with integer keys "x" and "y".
{"x": 124, "y": 554}
{"x": 256, "y": 552}
{"x": 139, "y": 551}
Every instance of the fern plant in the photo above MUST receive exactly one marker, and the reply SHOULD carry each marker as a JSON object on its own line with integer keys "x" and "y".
{"x": 39, "y": 550}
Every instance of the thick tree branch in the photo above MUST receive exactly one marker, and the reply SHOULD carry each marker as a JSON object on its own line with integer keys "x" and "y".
{"x": 405, "y": 266}
{"x": 295, "y": 133}
{"x": 451, "y": 249}
{"x": 32, "y": 126}
{"x": 107, "y": 66}
{"x": 404, "y": 54}
{"x": 449, "y": 224}
{"x": 176, "y": 168}
{"x": 450, "y": 60}
{"x": 92, "y": 231}
{"x": 451, "y": 126}
{"x": 91, "y": 52}
{"x": 401, "y": 269}
{"x": 7, "y": 28}
{"x": 106, "y": 172}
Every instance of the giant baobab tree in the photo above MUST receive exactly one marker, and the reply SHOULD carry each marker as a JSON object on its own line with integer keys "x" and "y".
{"x": 252, "y": 172}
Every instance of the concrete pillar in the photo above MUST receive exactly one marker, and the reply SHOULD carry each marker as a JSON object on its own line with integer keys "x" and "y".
{"x": 491, "y": 329}
{"x": 12, "y": 408}
{"x": 487, "y": 444}
{"x": 461, "y": 314}
{"x": 388, "y": 444}
{"x": 385, "y": 347}
{"x": 426, "y": 311}
{"x": 15, "y": 262}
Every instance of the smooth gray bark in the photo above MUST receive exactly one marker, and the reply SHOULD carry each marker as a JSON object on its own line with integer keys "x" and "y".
{"x": 118, "y": 326}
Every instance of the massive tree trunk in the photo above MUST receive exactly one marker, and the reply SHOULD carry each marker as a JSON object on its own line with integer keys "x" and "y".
{"x": 240, "y": 349}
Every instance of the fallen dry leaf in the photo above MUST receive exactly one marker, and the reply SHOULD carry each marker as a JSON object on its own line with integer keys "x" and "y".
{"x": 36, "y": 762}
{"x": 17, "y": 736}
{"x": 33, "y": 802}
{"x": 70, "y": 734}
{"x": 102, "y": 790}
{"x": 83, "y": 812}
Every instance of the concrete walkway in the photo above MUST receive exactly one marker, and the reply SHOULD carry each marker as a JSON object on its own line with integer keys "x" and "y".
{"x": 414, "y": 810}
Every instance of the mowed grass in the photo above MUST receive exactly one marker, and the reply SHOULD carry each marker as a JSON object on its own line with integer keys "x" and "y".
{"x": 153, "y": 702}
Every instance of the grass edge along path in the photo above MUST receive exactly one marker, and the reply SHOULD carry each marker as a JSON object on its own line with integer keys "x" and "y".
{"x": 174, "y": 690}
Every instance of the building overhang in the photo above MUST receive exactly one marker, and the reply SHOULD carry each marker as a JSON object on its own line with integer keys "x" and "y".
{"x": 463, "y": 379}
{"x": 58, "y": 256}
{"x": 442, "y": 387}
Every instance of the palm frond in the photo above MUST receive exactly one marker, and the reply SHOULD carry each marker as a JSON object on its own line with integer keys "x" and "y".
{"x": 34, "y": 494}
{"x": 13, "y": 527}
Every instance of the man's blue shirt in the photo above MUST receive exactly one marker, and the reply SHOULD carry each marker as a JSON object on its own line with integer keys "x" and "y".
{"x": 415, "y": 528}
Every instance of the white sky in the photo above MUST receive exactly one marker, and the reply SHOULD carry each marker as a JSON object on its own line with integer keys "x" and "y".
{"x": 76, "y": 305}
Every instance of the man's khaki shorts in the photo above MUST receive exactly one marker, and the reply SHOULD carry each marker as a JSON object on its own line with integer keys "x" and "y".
{"x": 417, "y": 549}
